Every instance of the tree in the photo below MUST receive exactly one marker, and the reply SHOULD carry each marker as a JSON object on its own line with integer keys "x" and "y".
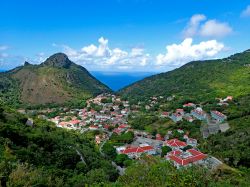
{"x": 151, "y": 171}
{"x": 40, "y": 147}
{"x": 121, "y": 106}
{"x": 128, "y": 162}
{"x": 109, "y": 150}
{"x": 165, "y": 150}
{"x": 187, "y": 147}
{"x": 96, "y": 176}
{"x": 126, "y": 137}
{"x": 120, "y": 159}
{"x": 24, "y": 175}
{"x": 106, "y": 100}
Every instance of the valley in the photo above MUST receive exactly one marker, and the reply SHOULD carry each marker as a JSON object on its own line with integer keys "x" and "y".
{"x": 188, "y": 128}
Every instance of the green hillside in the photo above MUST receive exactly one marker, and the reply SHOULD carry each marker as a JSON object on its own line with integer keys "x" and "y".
{"x": 199, "y": 80}
{"x": 44, "y": 155}
{"x": 57, "y": 80}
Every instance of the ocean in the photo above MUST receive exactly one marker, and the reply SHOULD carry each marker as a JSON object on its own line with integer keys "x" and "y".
{"x": 116, "y": 80}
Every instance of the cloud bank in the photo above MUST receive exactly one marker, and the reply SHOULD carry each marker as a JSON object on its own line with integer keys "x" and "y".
{"x": 102, "y": 56}
{"x": 198, "y": 25}
{"x": 178, "y": 54}
{"x": 105, "y": 58}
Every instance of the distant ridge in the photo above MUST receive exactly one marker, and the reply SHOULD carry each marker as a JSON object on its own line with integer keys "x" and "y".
{"x": 57, "y": 80}
{"x": 199, "y": 80}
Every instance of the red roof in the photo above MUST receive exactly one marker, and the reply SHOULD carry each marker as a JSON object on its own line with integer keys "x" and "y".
{"x": 195, "y": 156}
{"x": 175, "y": 152}
{"x": 188, "y": 104}
{"x": 176, "y": 143}
{"x": 75, "y": 121}
{"x": 179, "y": 110}
{"x": 106, "y": 126}
{"x": 123, "y": 126}
{"x": 218, "y": 113}
{"x": 132, "y": 150}
{"x": 137, "y": 149}
{"x": 165, "y": 113}
{"x": 147, "y": 148}
{"x": 93, "y": 126}
{"x": 117, "y": 131}
{"x": 199, "y": 112}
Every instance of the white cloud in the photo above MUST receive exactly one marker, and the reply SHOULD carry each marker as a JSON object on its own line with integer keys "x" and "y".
{"x": 90, "y": 50}
{"x": 101, "y": 56}
{"x": 99, "y": 51}
{"x": 179, "y": 54}
{"x": 103, "y": 49}
{"x": 198, "y": 25}
{"x": 70, "y": 51}
{"x": 246, "y": 12}
{"x": 135, "y": 52}
{"x": 117, "y": 54}
{"x": 193, "y": 25}
{"x": 213, "y": 28}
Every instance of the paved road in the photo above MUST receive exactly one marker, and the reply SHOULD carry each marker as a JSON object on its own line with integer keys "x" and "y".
{"x": 84, "y": 130}
{"x": 119, "y": 168}
{"x": 101, "y": 146}
{"x": 81, "y": 157}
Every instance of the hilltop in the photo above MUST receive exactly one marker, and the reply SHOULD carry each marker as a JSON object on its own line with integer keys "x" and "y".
{"x": 55, "y": 81}
{"x": 197, "y": 80}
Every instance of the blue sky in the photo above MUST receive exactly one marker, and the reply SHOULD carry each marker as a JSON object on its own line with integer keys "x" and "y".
{"x": 122, "y": 35}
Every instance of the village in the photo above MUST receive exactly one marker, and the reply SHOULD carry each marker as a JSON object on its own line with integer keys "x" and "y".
{"x": 108, "y": 115}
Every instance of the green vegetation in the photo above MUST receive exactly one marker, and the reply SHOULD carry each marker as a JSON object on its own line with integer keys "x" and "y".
{"x": 141, "y": 120}
{"x": 151, "y": 123}
{"x": 9, "y": 93}
{"x": 165, "y": 150}
{"x": 126, "y": 137}
{"x": 95, "y": 107}
{"x": 197, "y": 81}
{"x": 109, "y": 150}
{"x": 123, "y": 160}
{"x": 107, "y": 100}
{"x": 200, "y": 83}
{"x": 152, "y": 171}
{"x": 57, "y": 81}
{"x": 44, "y": 155}
{"x": 233, "y": 146}
{"x": 47, "y": 156}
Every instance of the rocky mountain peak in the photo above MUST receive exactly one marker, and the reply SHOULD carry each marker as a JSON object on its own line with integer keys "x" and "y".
{"x": 26, "y": 63}
{"x": 58, "y": 60}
